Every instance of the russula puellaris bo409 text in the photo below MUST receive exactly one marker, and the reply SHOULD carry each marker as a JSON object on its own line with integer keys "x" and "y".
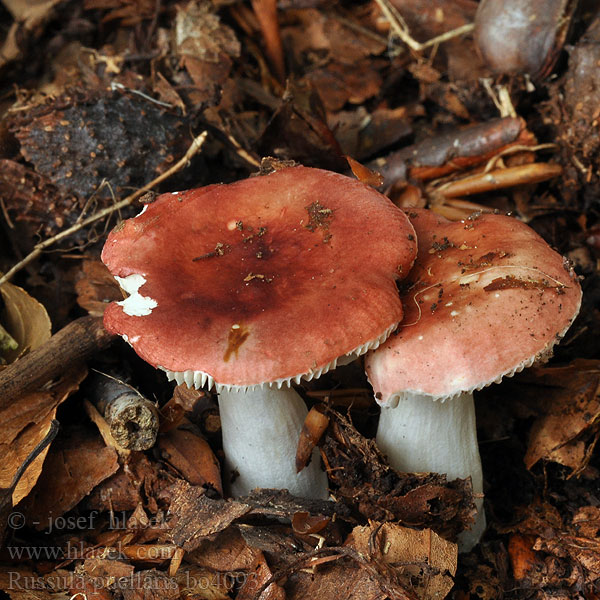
{"x": 257, "y": 284}
{"x": 487, "y": 297}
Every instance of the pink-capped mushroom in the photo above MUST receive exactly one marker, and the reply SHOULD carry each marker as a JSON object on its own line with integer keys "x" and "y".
{"x": 487, "y": 297}
{"x": 253, "y": 286}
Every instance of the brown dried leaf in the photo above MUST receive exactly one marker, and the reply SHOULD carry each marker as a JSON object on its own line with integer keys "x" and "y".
{"x": 227, "y": 552}
{"x": 25, "y": 319}
{"x": 298, "y": 131}
{"x": 570, "y": 412}
{"x": 338, "y": 84}
{"x": 315, "y": 33}
{"x": 362, "y": 134}
{"x": 96, "y": 288}
{"x": 259, "y": 574}
{"x": 24, "y": 428}
{"x": 34, "y": 205}
{"x": 191, "y": 456}
{"x": 201, "y": 584}
{"x": 76, "y": 464}
{"x": 196, "y": 516}
{"x": 364, "y": 174}
{"x": 138, "y": 480}
{"x": 313, "y": 428}
{"x": 420, "y": 556}
{"x": 206, "y": 48}
{"x": 129, "y": 12}
{"x": 172, "y": 414}
{"x": 523, "y": 558}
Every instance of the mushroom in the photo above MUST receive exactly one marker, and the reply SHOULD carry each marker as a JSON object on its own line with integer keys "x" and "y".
{"x": 487, "y": 297}
{"x": 254, "y": 285}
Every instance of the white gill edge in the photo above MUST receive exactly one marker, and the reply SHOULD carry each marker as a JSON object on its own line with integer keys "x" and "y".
{"x": 544, "y": 355}
{"x": 199, "y": 379}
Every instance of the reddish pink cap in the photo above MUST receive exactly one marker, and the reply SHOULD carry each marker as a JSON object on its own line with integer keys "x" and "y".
{"x": 263, "y": 280}
{"x": 487, "y": 297}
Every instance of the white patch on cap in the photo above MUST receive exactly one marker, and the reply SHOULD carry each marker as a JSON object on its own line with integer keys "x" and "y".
{"x": 142, "y": 211}
{"x": 135, "y": 305}
{"x": 231, "y": 225}
{"x": 454, "y": 313}
{"x": 468, "y": 279}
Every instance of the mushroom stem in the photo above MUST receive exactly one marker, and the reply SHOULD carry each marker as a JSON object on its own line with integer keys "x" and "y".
{"x": 261, "y": 429}
{"x": 426, "y": 435}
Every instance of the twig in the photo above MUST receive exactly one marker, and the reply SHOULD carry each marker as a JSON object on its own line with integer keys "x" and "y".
{"x": 74, "y": 343}
{"x": 400, "y": 28}
{"x": 39, "y": 248}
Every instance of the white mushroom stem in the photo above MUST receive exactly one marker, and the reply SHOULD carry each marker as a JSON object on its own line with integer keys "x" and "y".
{"x": 261, "y": 429}
{"x": 426, "y": 435}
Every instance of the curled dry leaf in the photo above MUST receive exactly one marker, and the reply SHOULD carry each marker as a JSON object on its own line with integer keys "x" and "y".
{"x": 565, "y": 431}
{"x": 191, "y": 456}
{"x": 25, "y": 425}
{"x": 25, "y": 319}
{"x": 422, "y": 558}
{"x": 313, "y": 428}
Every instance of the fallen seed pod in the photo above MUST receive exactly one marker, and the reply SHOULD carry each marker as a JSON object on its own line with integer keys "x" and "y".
{"x": 522, "y": 36}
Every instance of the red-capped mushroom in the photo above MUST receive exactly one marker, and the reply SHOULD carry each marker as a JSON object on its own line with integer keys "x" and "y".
{"x": 487, "y": 297}
{"x": 257, "y": 284}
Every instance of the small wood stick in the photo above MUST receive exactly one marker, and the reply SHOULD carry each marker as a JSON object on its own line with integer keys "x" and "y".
{"x": 73, "y": 344}
{"x": 133, "y": 419}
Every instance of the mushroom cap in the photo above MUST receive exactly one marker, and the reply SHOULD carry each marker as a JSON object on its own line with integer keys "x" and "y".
{"x": 263, "y": 280}
{"x": 486, "y": 298}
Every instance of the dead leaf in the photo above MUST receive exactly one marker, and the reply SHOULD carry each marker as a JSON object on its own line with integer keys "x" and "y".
{"x": 196, "y": 583}
{"x": 76, "y": 464}
{"x": 25, "y": 319}
{"x": 317, "y": 33}
{"x": 192, "y": 457}
{"x": 138, "y": 480}
{"x": 364, "y": 174}
{"x": 205, "y": 47}
{"x": 96, "y": 287}
{"x": 570, "y": 407}
{"x": 196, "y": 516}
{"x": 338, "y": 84}
{"x": 258, "y": 575}
{"x": 313, "y": 428}
{"x": 183, "y": 401}
{"x": 418, "y": 556}
{"x": 522, "y": 555}
{"x": 24, "y": 428}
